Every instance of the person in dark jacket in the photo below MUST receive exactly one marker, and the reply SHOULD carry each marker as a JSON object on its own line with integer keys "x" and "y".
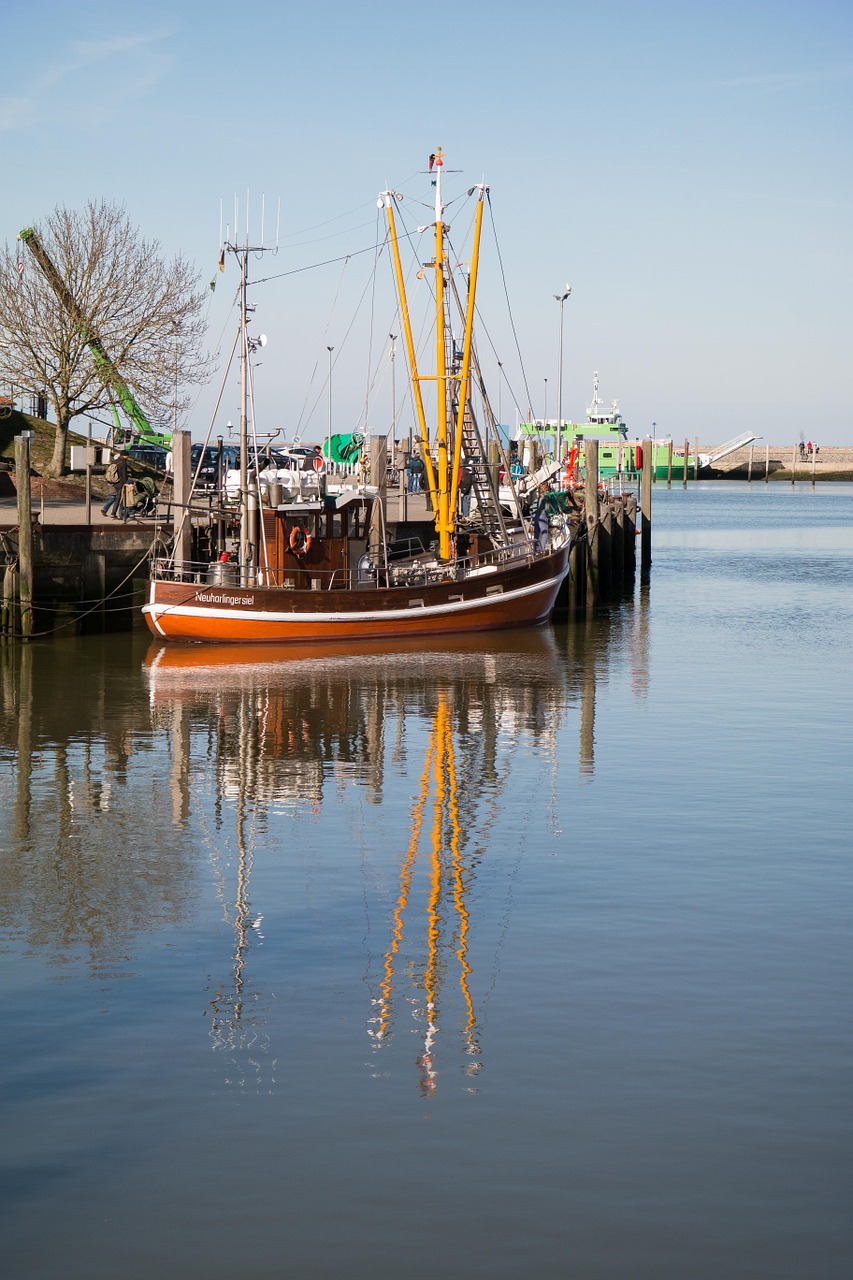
{"x": 117, "y": 479}
{"x": 540, "y": 519}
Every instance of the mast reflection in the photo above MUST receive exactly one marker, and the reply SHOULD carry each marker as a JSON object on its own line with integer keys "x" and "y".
{"x": 286, "y": 730}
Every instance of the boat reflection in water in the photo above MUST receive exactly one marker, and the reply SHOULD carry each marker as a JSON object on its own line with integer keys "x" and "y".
{"x": 289, "y": 730}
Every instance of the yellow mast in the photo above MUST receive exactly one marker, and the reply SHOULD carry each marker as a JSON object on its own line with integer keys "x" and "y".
{"x": 443, "y": 513}
{"x": 443, "y": 477}
{"x": 464, "y": 379}
{"x": 387, "y": 199}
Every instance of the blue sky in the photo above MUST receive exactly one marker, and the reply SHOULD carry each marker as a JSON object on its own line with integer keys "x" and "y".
{"x": 686, "y": 167}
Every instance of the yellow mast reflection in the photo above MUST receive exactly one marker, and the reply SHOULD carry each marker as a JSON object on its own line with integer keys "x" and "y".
{"x": 447, "y": 879}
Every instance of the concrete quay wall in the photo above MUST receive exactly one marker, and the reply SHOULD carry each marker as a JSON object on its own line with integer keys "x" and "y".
{"x": 831, "y": 458}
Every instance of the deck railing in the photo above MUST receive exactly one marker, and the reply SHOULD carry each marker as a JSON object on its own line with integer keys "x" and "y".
{"x": 370, "y": 574}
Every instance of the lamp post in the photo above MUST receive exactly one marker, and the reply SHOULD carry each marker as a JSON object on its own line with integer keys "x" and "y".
{"x": 329, "y": 442}
{"x": 561, "y": 298}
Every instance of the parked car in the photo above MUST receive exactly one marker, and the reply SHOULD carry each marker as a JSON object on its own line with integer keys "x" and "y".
{"x": 151, "y": 455}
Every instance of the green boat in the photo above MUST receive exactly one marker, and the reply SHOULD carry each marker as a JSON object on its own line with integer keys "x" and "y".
{"x": 617, "y": 455}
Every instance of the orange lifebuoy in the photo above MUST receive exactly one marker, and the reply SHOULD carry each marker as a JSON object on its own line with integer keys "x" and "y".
{"x": 300, "y": 541}
{"x": 318, "y": 463}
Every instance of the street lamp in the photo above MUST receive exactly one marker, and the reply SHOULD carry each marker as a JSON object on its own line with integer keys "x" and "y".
{"x": 561, "y": 298}
{"x": 329, "y": 443}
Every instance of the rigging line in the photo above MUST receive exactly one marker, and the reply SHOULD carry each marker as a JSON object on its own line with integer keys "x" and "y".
{"x": 325, "y": 334}
{"x": 347, "y": 333}
{"x": 509, "y": 305}
{"x": 482, "y": 327}
{"x": 345, "y": 231}
{"x": 313, "y": 266}
{"x": 370, "y": 332}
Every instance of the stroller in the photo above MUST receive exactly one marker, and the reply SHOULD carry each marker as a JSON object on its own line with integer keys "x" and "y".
{"x": 140, "y": 501}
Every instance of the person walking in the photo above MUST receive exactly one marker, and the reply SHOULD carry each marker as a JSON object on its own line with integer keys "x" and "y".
{"x": 116, "y": 478}
{"x": 540, "y": 520}
{"x": 414, "y": 470}
{"x": 466, "y": 483}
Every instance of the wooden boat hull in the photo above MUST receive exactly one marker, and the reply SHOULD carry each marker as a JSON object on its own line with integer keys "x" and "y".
{"x": 519, "y": 595}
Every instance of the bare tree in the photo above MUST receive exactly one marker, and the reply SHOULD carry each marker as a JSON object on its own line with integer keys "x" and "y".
{"x": 144, "y": 312}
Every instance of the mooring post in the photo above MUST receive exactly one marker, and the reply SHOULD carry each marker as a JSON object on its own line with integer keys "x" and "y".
{"x": 25, "y": 530}
{"x": 630, "y": 540}
{"x": 577, "y": 570}
{"x": 619, "y": 545}
{"x": 10, "y": 590}
{"x": 686, "y": 462}
{"x": 646, "y": 514}
{"x": 181, "y": 486}
{"x": 378, "y": 520}
{"x": 814, "y": 462}
{"x": 669, "y": 463}
{"x": 793, "y": 464}
{"x": 766, "y": 463}
{"x": 593, "y": 539}
{"x": 751, "y": 454}
{"x": 605, "y": 555}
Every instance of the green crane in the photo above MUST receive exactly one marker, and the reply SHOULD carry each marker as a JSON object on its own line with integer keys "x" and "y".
{"x": 141, "y": 431}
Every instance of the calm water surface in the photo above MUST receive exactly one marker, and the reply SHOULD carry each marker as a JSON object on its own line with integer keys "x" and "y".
{"x": 522, "y": 957}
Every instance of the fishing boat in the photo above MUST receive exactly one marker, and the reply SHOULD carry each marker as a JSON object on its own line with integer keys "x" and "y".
{"x": 319, "y": 565}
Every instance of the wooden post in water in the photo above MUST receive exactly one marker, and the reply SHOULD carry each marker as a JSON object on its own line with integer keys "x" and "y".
{"x": 378, "y": 519}
{"x": 25, "y": 531}
{"x": 646, "y": 514}
{"x": 630, "y": 540}
{"x": 814, "y": 461}
{"x": 10, "y": 591}
{"x": 766, "y": 463}
{"x": 605, "y": 553}
{"x": 793, "y": 464}
{"x": 592, "y": 522}
{"x": 751, "y": 454}
{"x": 669, "y": 463}
{"x": 617, "y": 563}
{"x": 181, "y": 485}
{"x": 686, "y": 462}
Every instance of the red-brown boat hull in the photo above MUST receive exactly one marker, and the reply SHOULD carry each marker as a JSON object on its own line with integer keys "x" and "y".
{"x": 520, "y": 595}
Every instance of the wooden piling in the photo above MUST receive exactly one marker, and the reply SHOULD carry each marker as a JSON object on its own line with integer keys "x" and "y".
{"x": 10, "y": 592}
{"x": 577, "y": 574}
{"x": 794, "y": 465}
{"x": 25, "y": 533}
{"x": 630, "y": 540}
{"x": 181, "y": 487}
{"x": 592, "y": 522}
{"x": 605, "y": 552}
{"x": 751, "y": 455}
{"x": 767, "y": 464}
{"x": 669, "y": 463}
{"x": 686, "y": 463}
{"x": 646, "y": 513}
{"x": 378, "y": 449}
{"x": 617, "y": 575}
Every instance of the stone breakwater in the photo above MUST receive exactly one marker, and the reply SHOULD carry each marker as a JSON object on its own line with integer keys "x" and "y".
{"x": 831, "y": 459}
